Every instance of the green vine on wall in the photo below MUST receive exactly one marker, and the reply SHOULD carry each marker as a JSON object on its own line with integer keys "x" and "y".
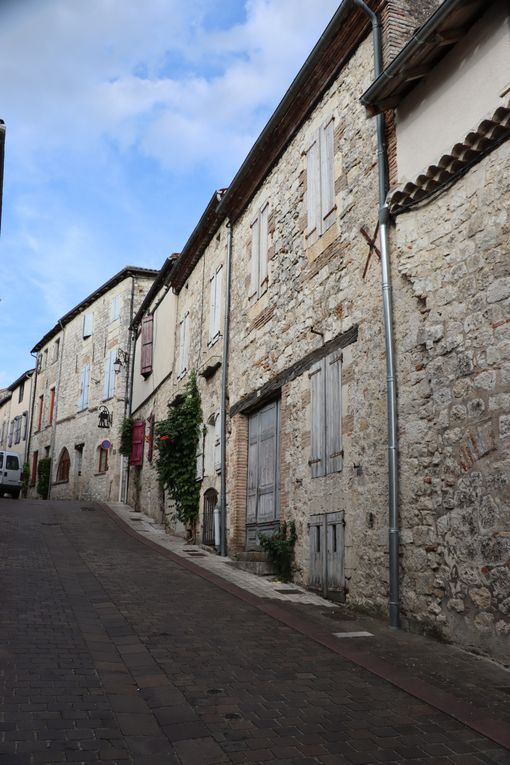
{"x": 126, "y": 436}
{"x": 43, "y": 475}
{"x": 176, "y": 441}
{"x": 279, "y": 547}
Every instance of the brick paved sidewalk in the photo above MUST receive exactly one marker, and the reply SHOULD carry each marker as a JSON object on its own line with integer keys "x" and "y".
{"x": 111, "y": 651}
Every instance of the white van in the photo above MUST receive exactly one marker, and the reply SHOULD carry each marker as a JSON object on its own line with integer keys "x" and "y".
{"x": 10, "y": 474}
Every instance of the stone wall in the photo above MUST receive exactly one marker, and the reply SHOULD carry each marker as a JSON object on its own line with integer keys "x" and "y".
{"x": 75, "y": 430}
{"x": 317, "y": 294}
{"x": 452, "y": 317}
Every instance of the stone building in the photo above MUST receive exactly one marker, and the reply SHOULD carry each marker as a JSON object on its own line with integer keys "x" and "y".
{"x": 186, "y": 334}
{"x": 83, "y": 371}
{"x": 15, "y": 415}
{"x": 304, "y": 350}
{"x": 449, "y": 201}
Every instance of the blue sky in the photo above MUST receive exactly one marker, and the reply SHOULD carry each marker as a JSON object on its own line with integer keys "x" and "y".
{"x": 122, "y": 118}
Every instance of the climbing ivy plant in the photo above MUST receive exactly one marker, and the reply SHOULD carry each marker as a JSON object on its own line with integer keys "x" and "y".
{"x": 126, "y": 436}
{"x": 43, "y": 475}
{"x": 280, "y": 548}
{"x": 176, "y": 442}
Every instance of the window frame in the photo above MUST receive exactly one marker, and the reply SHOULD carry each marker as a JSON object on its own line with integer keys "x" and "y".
{"x": 215, "y": 304}
{"x": 259, "y": 259}
{"x": 320, "y": 181}
{"x": 147, "y": 345}
{"x": 326, "y": 439}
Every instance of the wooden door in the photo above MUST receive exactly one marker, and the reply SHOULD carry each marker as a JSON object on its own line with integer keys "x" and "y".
{"x": 262, "y": 497}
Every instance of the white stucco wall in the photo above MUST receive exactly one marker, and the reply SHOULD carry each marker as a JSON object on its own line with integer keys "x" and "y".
{"x": 466, "y": 86}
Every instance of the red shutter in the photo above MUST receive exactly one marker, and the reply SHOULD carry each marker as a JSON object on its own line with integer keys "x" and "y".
{"x": 146, "y": 357}
{"x": 150, "y": 440}
{"x": 137, "y": 444}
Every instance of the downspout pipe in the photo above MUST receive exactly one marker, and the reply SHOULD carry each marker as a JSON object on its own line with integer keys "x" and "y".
{"x": 223, "y": 402}
{"x": 55, "y": 408}
{"x": 391, "y": 391}
{"x": 128, "y": 393}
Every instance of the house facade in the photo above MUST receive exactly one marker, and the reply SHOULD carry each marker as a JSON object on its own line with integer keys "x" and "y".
{"x": 292, "y": 249}
{"x": 449, "y": 202}
{"x": 81, "y": 391}
{"x": 15, "y": 415}
{"x": 186, "y": 313}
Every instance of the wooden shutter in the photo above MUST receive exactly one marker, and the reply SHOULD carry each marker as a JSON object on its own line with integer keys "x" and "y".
{"x": 147, "y": 345}
{"x": 87, "y": 325}
{"x": 150, "y": 441}
{"x": 334, "y": 454}
{"x": 217, "y": 443}
{"x": 200, "y": 457}
{"x": 136, "y": 457}
{"x": 268, "y": 424}
{"x": 84, "y": 387}
{"x": 212, "y": 307}
{"x": 255, "y": 243}
{"x": 327, "y": 174}
{"x": 217, "y": 302}
{"x": 52, "y": 406}
{"x": 183, "y": 346}
{"x": 317, "y": 425}
{"x": 313, "y": 189}
{"x": 263, "y": 244}
{"x": 253, "y": 469}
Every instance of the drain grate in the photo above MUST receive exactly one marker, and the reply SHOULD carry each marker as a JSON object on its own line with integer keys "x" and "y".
{"x": 289, "y": 592}
{"x": 197, "y": 555}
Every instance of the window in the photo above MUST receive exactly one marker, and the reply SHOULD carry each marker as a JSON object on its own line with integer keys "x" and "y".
{"x": 64, "y": 463}
{"x": 215, "y": 304}
{"x": 40, "y": 412}
{"x": 115, "y": 308}
{"x": 146, "y": 352}
{"x": 44, "y": 362}
{"x": 52, "y": 406}
{"x": 320, "y": 182}
{"x": 84, "y": 388}
{"x": 259, "y": 247}
{"x": 21, "y": 392}
{"x": 33, "y": 473}
{"x": 109, "y": 375}
{"x": 87, "y": 325}
{"x": 17, "y": 429}
{"x": 56, "y": 350}
{"x": 103, "y": 460}
{"x": 183, "y": 345}
{"x": 136, "y": 457}
{"x": 11, "y": 434}
{"x": 326, "y": 416}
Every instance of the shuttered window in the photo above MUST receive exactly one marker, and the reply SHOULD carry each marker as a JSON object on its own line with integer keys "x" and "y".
{"x": 40, "y": 413}
{"x": 183, "y": 345}
{"x": 259, "y": 252}
{"x": 147, "y": 345}
{"x": 115, "y": 308}
{"x": 326, "y": 453}
{"x": 109, "y": 375}
{"x": 150, "y": 440}
{"x": 52, "y": 406}
{"x": 84, "y": 388}
{"x": 320, "y": 182}
{"x": 17, "y": 429}
{"x": 215, "y": 290}
{"x": 136, "y": 457}
{"x": 87, "y": 325}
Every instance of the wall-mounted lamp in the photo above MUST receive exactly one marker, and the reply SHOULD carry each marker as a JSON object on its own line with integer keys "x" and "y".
{"x": 120, "y": 361}
{"x": 105, "y": 417}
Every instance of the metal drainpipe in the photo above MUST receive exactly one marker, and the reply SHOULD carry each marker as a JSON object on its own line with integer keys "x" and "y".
{"x": 128, "y": 393}
{"x": 391, "y": 393}
{"x": 223, "y": 403}
{"x": 55, "y": 408}
{"x": 33, "y": 391}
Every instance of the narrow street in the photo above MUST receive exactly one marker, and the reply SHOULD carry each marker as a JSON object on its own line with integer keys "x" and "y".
{"x": 112, "y": 653}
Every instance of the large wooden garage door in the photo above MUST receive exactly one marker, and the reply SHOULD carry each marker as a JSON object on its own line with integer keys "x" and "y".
{"x": 262, "y": 500}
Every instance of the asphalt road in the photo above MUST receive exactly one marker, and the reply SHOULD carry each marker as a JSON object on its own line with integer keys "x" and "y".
{"x": 110, "y": 652}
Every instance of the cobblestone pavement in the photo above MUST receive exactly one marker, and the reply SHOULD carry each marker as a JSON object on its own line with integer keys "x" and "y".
{"x": 111, "y": 652}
